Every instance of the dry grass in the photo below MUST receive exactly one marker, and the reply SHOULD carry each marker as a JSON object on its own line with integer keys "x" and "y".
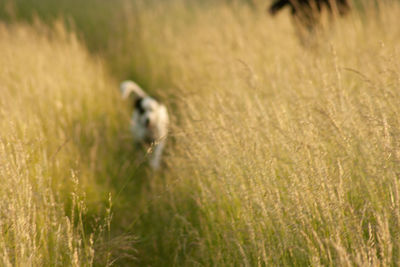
{"x": 283, "y": 154}
{"x": 52, "y": 129}
{"x": 280, "y": 153}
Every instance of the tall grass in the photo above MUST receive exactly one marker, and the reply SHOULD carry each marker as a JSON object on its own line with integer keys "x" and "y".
{"x": 101, "y": 24}
{"x": 279, "y": 154}
{"x": 51, "y": 130}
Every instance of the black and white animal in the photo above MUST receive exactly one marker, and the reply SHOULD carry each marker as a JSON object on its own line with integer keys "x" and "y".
{"x": 149, "y": 121}
{"x": 307, "y": 11}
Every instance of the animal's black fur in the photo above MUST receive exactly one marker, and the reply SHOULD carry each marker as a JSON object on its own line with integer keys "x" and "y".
{"x": 342, "y": 6}
{"x": 307, "y": 11}
{"x": 138, "y": 105}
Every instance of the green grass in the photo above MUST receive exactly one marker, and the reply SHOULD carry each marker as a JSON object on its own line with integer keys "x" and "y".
{"x": 280, "y": 153}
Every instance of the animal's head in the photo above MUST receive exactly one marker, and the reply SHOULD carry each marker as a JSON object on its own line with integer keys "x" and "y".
{"x": 147, "y": 110}
{"x": 150, "y": 117}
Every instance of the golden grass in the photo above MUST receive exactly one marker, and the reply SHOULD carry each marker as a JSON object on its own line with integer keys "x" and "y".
{"x": 280, "y": 153}
{"x": 283, "y": 154}
{"x": 52, "y": 128}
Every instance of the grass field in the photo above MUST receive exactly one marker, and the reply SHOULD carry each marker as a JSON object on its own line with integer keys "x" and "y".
{"x": 282, "y": 152}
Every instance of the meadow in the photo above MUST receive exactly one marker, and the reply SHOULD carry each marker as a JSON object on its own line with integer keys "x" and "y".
{"x": 282, "y": 152}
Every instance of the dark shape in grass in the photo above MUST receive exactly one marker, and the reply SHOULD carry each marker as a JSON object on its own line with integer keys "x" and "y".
{"x": 307, "y": 13}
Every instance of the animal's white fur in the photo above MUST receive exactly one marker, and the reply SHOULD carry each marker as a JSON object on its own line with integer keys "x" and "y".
{"x": 150, "y": 124}
{"x": 128, "y": 87}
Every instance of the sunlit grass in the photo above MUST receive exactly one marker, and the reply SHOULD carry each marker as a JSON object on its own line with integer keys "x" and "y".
{"x": 51, "y": 130}
{"x": 281, "y": 152}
